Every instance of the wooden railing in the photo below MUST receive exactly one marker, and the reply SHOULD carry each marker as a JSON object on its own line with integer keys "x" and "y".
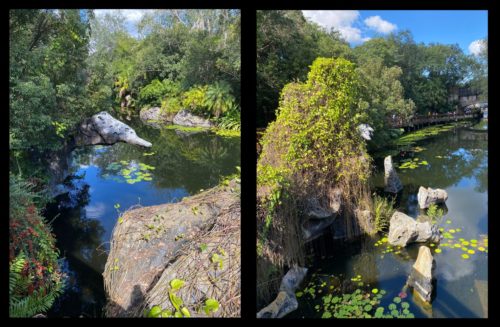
{"x": 430, "y": 119}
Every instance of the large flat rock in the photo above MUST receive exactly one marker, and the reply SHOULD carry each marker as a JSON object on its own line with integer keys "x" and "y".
{"x": 154, "y": 245}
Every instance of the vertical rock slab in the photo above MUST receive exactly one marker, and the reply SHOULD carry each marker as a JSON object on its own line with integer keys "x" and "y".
{"x": 391, "y": 179}
{"x": 422, "y": 273}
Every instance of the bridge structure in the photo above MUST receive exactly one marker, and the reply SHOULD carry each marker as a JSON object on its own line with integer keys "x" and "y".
{"x": 425, "y": 120}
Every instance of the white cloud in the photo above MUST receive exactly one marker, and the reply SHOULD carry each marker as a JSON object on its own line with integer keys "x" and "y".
{"x": 340, "y": 20}
{"x": 475, "y": 47}
{"x": 379, "y": 25}
{"x": 131, "y": 15}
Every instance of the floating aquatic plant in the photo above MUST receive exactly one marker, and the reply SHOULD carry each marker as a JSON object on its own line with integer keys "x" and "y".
{"x": 360, "y": 303}
{"x": 131, "y": 172}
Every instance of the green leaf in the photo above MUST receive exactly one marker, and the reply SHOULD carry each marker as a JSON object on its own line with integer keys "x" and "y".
{"x": 299, "y": 294}
{"x": 176, "y": 284}
{"x": 154, "y": 312}
{"x": 211, "y": 306}
{"x": 397, "y": 299}
{"x": 175, "y": 300}
{"x": 203, "y": 247}
{"x": 177, "y": 314}
{"x": 185, "y": 312}
{"x": 326, "y": 315}
{"x": 375, "y": 291}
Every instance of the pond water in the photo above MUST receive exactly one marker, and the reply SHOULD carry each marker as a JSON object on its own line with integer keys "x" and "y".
{"x": 107, "y": 180}
{"x": 456, "y": 161}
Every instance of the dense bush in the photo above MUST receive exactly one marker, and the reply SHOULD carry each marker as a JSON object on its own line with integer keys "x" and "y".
{"x": 194, "y": 100}
{"x": 153, "y": 93}
{"x": 35, "y": 279}
{"x": 312, "y": 148}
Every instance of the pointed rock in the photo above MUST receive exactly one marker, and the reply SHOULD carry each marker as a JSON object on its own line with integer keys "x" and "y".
{"x": 391, "y": 180}
{"x": 422, "y": 273}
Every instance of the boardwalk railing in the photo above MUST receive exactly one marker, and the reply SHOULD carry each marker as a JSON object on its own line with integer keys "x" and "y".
{"x": 432, "y": 119}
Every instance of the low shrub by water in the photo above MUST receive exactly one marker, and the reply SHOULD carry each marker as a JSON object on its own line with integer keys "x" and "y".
{"x": 34, "y": 277}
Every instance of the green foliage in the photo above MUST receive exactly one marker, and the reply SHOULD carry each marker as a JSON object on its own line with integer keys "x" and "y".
{"x": 383, "y": 209}
{"x": 286, "y": 45}
{"x": 219, "y": 98}
{"x": 34, "y": 279}
{"x": 153, "y": 93}
{"x": 360, "y": 303}
{"x": 231, "y": 120}
{"x": 211, "y": 306}
{"x": 311, "y": 149}
{"x": 434, "y": 212}
{"x": 194, "y": 100}
{"x": 47, "y": 84}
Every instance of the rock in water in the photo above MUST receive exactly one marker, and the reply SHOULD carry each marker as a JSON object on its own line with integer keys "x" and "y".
{"x": 292, "y": 279}
{"x": 428, "y": 196}
{"x": 154, "y": 116}
{"x": 102, "y": 128}
{"x": 392, "y": 182}
{"x": 421, "y": 274}
{"x": 286, "y": 301}
{"x": 404, "y": 230}
{"x": 280, "y": 307}
{"x": 185, "y": 118}
{"x": 153, "y": 245}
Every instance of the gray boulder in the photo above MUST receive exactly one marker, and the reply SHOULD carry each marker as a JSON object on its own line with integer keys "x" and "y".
{"x": 404, "y": 230}
{"x": 286, "y": 301}
{"x": 185, "y": 118}
{"x": 428, "y": 196}
{"x": 154, "y": 116}
{"x": 421, "y": 275}
{"x": 102, "y": 128}
{"x": 143, "y": 261}
{"x": 391, "y": 180}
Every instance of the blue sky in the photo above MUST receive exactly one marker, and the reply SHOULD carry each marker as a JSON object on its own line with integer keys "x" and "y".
{"x": 462, "y": 27}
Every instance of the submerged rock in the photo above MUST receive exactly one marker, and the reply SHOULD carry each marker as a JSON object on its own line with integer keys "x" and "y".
{"x": 428, "y": 196}
{"x": 286, "y": 301}
{"x": 196, "y": 240}
{"x": 391, "y": 180}
{"x": 421, "y": 275}
{"x": 102, "y": 128}
{"x": 404, "y": 230}
{"x": 185, "y": 118}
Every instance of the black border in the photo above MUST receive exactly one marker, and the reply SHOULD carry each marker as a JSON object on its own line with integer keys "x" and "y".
{"x": 248, "y": 96}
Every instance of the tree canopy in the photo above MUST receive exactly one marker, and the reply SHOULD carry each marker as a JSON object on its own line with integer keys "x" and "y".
{"x": 400, "y": 77}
